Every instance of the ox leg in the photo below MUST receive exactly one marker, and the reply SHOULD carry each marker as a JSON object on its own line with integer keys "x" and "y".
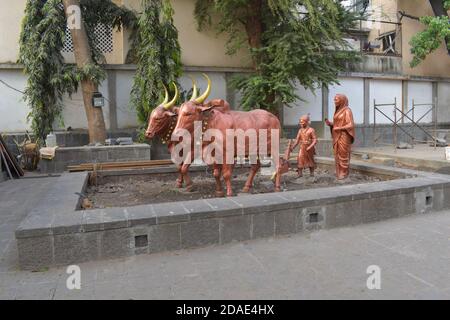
{"x": 249, "y": 184}
{"x": 187, "y": 179}
{"x": 278, "y": 182}
{"x": 227, "y": 172}
{"x": 180, "y": 177}
{"x": 217, "y": 176}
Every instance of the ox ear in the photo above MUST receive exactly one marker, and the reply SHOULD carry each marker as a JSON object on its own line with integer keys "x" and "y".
{"x": 205, "y": 108}
{"x": 216, "y": 103}
{"x": 170, "y": 113}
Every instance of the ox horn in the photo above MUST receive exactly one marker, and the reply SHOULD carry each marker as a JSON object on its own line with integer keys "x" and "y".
{"x": 166, "y": 95}
{"x": 194, "y": 89}
{"x": 205, "y": 95}
{"x": 170, "y": 104}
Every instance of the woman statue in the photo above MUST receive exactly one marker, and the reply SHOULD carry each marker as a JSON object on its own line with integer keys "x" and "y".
{"x": 343, "y": 133}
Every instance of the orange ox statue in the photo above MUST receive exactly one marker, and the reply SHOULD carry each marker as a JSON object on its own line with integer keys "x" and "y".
{"x": 217, "y": 143}
{"x": 161, "y": 124}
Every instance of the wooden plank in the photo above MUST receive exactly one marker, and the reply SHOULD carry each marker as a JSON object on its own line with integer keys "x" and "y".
{"x": 119, "y": 165}
{"x": 9, "y": 161}
{"x": 6, "y": 164}
{"x": 11, "y": 157}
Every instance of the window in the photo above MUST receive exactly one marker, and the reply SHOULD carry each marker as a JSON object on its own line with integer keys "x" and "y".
{"x": 103, "y": 36}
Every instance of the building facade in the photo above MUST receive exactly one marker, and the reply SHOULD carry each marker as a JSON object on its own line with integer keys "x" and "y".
{"x": 382, "y": 77}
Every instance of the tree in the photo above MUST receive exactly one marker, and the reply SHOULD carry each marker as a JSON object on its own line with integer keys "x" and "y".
{"x": 157, "y": 54}
{"x": 437, "y": 30}
{"x": 290, "y": 42}
{"x": 49, "y": 77}
{"x": 83, "y": 58}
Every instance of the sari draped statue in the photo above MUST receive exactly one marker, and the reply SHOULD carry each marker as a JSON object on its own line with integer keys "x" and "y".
{"x": 343, "y": 133}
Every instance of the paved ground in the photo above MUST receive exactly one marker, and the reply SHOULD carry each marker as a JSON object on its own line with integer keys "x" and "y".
{"x": 420, "y": 151}
{"x": 413, "y": 254}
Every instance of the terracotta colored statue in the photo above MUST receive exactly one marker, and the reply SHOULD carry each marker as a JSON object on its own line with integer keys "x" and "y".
{"x": 283, "y": 166}
{"x": 161, "y": 124}
{"x": 212, "y": 118}
{"x": 343, "y": 133}
{"x": 307, "y": 140}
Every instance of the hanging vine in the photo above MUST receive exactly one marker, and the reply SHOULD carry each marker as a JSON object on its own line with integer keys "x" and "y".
{"x": 157, "y": 54}
{"x": 41, "y": 41}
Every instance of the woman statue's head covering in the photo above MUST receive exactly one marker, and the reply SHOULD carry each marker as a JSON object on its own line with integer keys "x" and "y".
{"x": 343, "y": 101}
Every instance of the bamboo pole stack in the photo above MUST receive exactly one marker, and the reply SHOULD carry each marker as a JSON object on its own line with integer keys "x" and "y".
{"x": 9, "y": 162}
{"x": 118, "y": 165}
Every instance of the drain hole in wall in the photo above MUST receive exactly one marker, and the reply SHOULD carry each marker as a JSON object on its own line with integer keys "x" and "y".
{"x": 140, "y": 241}
{"x": 429, "y": 200}
{"x": 314, "y": 217}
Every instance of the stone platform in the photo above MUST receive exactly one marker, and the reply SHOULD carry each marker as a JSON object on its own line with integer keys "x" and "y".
{"x": 55, "y": 233}
{"x": 420, "y": 157}
{"x": 65, "y": 157}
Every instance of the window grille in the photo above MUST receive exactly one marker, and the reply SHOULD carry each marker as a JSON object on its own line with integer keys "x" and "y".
{"x": 103, "y": 36}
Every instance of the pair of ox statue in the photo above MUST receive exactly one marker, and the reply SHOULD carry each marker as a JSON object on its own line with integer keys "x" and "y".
{"x": 167, "y": 120}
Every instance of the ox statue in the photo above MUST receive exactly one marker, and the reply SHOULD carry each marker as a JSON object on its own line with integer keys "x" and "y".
{"x": 161, "y": 123}
{"x": 212, "y": 117}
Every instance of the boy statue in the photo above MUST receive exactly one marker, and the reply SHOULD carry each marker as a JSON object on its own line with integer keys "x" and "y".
{"x": 307, "y": 139}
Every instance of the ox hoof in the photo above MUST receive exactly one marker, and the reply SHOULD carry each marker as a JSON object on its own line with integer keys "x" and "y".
{"x": 277, "y": 189}
{"x": 246, "y": 190}
{"x": 220, "y": 194}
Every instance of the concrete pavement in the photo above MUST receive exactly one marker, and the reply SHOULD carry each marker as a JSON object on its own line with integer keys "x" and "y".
{"x": 413, "y": 254}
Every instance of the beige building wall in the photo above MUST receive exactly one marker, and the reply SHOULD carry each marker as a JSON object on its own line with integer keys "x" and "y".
{"x": 204, "y": 48}
{"x": 381, "y": 10}
{"x": 199, "y": 49}
{"x": 207, "y": 49}
{"x": 11, "y": 15}
{"x": 436, "y": 64}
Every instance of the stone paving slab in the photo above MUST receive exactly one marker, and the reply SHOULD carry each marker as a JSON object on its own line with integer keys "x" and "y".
{"x": 412, "y": 252}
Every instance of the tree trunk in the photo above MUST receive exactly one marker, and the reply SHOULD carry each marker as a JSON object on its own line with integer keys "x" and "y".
{"x": 253, "y": 27}
{"x": 82, "y": 50}
{"x": 254, "y": 30}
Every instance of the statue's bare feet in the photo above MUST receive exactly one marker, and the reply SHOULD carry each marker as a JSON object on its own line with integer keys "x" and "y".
{"x": 189, "y": 187}
{"x": 246, "y": 189}
{"x": 179, "y": 184}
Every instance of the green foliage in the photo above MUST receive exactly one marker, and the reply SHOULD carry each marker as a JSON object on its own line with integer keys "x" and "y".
{"x": 437, "y": 30}
{"x": 301, "y": 43}
{"x": 41, "y": 41}
{"x": 158, "y": 56}
{"x": 447, "y": 5}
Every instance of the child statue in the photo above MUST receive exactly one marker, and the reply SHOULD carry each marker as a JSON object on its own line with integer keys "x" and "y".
{"x": 307, "y": 139}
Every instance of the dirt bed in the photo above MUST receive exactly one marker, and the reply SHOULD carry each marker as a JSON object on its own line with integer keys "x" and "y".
{"x": 158, "y": 188}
